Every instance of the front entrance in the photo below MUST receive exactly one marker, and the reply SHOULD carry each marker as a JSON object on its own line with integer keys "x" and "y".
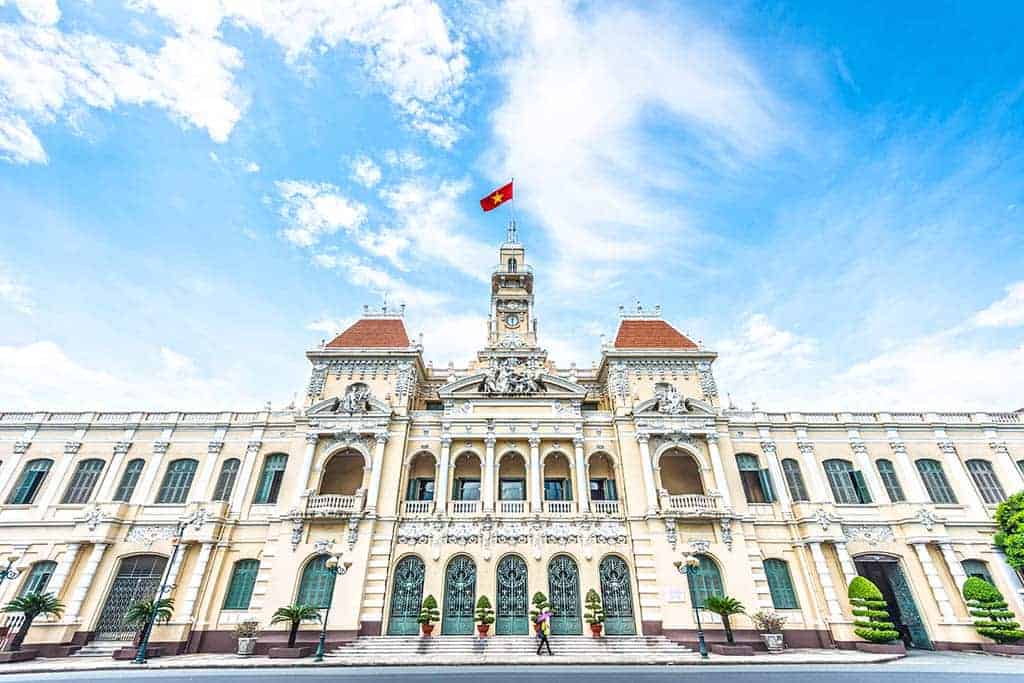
{"x": 564, "y": 586}
{"x": 616, "y": 597}
{"x": 459, "y": 594}
{"x": 512, "y": 610}
{"x": 885, "y": 572}
{"x": 138, "y": 578}
{"x": 406, "y": 597}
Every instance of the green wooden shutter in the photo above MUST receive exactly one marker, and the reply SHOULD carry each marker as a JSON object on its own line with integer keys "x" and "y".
{"x": 780, "y": 584}
{"x": 317, "y": 584}
{"x": 862, "y": 487}
{"x": 766, "y": 485}
{"x": 243, "y": 578}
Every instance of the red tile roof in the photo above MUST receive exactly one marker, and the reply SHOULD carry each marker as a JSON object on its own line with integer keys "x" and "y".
{"x": 650, "y": 334}
{"x": 374, "y": 333}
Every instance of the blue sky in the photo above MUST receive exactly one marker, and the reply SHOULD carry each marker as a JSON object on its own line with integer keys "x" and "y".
{"x": 828, "y": 194}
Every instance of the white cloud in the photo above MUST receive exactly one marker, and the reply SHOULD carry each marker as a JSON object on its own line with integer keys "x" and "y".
{"x": 313, "y": 210}
{"x": 330, "y": 326}
{"x": 14, "y": 294}
{"x": 407, "y": 159}
{"x": 454, "y": 337}
{"x": 754, "y": 360}
{"x": 18, "y": 143}
{"x": 252, "y": 167}
{"x": 362, "y": 273}
{"x": 365, "y": 172}
{"x": 43, "y": 12}
{"x": 1007, "y": 312}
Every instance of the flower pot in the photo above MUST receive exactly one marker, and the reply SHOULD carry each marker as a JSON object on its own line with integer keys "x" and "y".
{"x": 595, "y": 629}
{"x": 482, "y": 629}
{"x": 773, "y": 641}
{"x": 427, "y": 629}
{"x": 246, "y": 646}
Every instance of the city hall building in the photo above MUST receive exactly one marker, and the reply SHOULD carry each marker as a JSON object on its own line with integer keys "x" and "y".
{"x": 505, "y": 477}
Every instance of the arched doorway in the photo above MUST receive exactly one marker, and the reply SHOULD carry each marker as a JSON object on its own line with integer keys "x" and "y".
{"x": 459, "y": 596}
{"x": 564, "y": 589}
{"x": 512, "y": 611}
{"x": 885, "y": 572}
{"x": 406, "y": 597}
{"x": 617, "y": 597}
{"x": 138, "y": 578}
{"x": 343, "y": 473}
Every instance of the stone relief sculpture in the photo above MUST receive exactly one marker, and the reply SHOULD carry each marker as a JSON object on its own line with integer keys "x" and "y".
{"x": 356, "y": 399}
{"x": 670, "y": 401}
{"x": 508, "y": 376}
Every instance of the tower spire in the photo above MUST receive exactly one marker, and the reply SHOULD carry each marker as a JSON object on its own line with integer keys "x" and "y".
{"x": 512, "y": 237}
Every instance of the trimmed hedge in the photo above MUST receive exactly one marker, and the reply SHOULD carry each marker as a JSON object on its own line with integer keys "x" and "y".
{"x": 993, "y": 620}
{"x": 873, "y": 624}
{"x": 1010, "y": 522}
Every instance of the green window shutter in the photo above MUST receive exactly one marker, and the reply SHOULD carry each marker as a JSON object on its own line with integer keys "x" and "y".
{"x": 985, "y": 479}
{"x": 31, "y": 481}
{"x": 38, "y": 578}
{"x": 82, "y": 482}
{"x": 863, "y": 495}
{"x": 270, "y": 479}
{"x": 243, "y": 578}
{"x": 317, "y": 585}
{"x": 226, "y": 480}
{"x": 609, "y": 490}
{"x": 705, "y": 581}
{"x": 794, "y": 480}
{"x": 935, "y": 481}
{"x": 126, "y": 487}
{"x": 780, "y": 584}
{"x": 766, "y": 485}
{"x": 977, "y": 568}
{"x": 177, "y": 482}
{"x": 891, "y": 482}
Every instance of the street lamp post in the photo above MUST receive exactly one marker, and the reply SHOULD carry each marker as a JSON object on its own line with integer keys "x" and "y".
{"x": 10, "y": 572}
{"x": 337, "y": 568}
{"x": 689, "y": 566}
{"x": 140, "y": 654}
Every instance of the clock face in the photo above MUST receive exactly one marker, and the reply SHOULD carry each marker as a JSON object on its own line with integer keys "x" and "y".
{"x": 512, "y": 320}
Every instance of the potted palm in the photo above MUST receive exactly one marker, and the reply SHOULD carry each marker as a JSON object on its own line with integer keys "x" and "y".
{"x": 727, "y": 607}
{"x": 293, "y": 615}
{"x": 138, "y": 615}
{"x": 770, "y": 625}
{"x": 247, "y": 633}
{"x": 428, "y": 615}
{"x": 31, "y": 605}
{"x": 595, "y": 612}
{"x": 540, "y": 603}
{"x": 484, "y": 616}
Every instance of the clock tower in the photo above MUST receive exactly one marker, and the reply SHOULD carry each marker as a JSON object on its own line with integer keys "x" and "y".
{"x": 511, "y": 323}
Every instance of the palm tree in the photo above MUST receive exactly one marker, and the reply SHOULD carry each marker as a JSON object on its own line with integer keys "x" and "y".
{"x": 295, "y": 615}
{"x": 724, "y": 606}
{"x": 31, "y": 605}
{"x": 142, "y": 611}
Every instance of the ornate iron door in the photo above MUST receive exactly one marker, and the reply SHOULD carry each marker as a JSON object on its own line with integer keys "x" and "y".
{"x": 909, "y": 615}
{"x": 406, "y": 597}
{"x": 512, "y": 612}
{"x": 459, "y": 593}
{"x": 564, "y": 586}
{"x": 616, "y": 597}
{"x": 138, "y": 578}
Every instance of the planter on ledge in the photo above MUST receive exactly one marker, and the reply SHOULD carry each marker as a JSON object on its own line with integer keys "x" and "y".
{"x": 732, "y": 650}
{"x": 126, "y": 653}
{"x": 896, "y": 648}
{"x": 1003, "y": 648}
{"x": 18, "y": 656}
{"x": 774, "y": 642}
{"x": 297, "y": 652}
{"x": 482, "y": 629}
{"x": 595, "y": 629}
{"x": 246, "y": 646}
{"x": 427, "y": 629}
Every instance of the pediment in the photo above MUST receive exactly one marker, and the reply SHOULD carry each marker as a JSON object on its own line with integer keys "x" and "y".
{"x": 478, "y": 386}
{"x": 336, "y": 407}
{"x": 685, "y": 407}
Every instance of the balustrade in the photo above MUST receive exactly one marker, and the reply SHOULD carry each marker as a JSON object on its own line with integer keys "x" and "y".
{"x": 334, "y": 504}
{"x": 692, "y": 504}
{"x": 512, "y": 507}
{"x": 558, "y": 507}
{"x": 464, "y": 507}
{"x": 418, "y": 507}
{"x": 605, "y": 507}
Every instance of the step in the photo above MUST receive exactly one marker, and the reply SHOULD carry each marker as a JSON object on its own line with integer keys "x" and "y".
{"x": 100, "y": 649}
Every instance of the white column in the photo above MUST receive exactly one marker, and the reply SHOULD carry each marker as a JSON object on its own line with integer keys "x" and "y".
{"x": 252, "y": 452}
{"x": 192, "y": 592}
{"x": 74, "y": 605}
{"x": 145, "y": 492}
{"x": 959, "y": 478}
{"x": 909, "y": 476}
{"x": 813, "y": 475}
{"x": 535, "y": 487}
{"x": 845, "y": 562}
{"x": 375, "y": 473}
{"x": 867, "y": 468}
{"x": 953, "y": 563}
{"x": 647, "y": 468}
{"x": 302, "y": 483}
{"x": 60, "y": 574}
{"x": 200, "y": 490}
{"x": 488, "y": 473}
{"x": 934, "y": 581}
{"x": 175, "y": 569}
{"x": 721, "y": 483}
{"x": 105, "y": 491}
{"x": 1000, "y": 450}
{"x": 441, "y": 492}
{"x": 835, "y": 610}
{"x": 582, "y": 481}
{"x": 1012, "y": 578}
{"x": 771, "y": 455}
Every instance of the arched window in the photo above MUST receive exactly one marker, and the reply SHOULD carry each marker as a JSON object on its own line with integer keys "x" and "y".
{"x": 985, "y": 479}
{"x": 38, "y": 578}
{"x": 1020, "y": 466}
{"x": 848, "y": 486}
{"x": 511, "y": 265}
{"x": 780, "y": 584}
{"x": 317, "y": 585}
{"x": 83, "y": 481}
{"x": 794, "y": 480}
{"x": 30, "y": 482}
{"x": 243, "y": 577}
{"x": 132, "y": 472}
{"x": 177, "y": 481}
{"x": 270, "y": 479}
{"x": 891, "y": 482}
{"x": 226, "y": 480}
{"x": 977, "y": 569}
{"x": 705, "y": 581}
{"x": 935, "y": 481}
{"x": 757, "y": 485}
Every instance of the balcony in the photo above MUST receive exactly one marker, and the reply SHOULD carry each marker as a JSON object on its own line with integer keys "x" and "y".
{"x": 558, "y": 507}
{"x": 691, "y": 505}
{"x": 335, "y": 504}
{"x": 464, "y": 507}
{"x": 512, "y": 507}
{"x": 605, "y": 507}
{"x": 418, "y": 507}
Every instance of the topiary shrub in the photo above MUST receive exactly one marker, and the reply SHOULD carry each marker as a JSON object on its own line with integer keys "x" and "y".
{"x": 484, "y": 612}
{"x": 595, "y": 611}
{"x": 873, "y": 623}
{"x": 993, "y": 620}
{"x": 1010, "y": 522}
{"x": 428, "y": 611}
{"x": 540, "y": 603}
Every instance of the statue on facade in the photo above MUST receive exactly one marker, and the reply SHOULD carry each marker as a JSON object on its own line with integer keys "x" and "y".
{"x": 356, "y": 399}
{"x": 508, "y": 377}
{"x": 670, "y": 401}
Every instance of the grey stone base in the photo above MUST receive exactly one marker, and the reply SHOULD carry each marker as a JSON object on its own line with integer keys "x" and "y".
{"x": 290, "y": 652}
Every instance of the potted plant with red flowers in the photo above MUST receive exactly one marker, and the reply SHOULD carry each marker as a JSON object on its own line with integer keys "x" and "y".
{"x": 484, "y": 616}
{"x": 595, "y": 612}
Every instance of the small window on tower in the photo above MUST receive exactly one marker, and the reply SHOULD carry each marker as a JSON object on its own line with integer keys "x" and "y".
{"x": 435, "y": 405}
{"x": 511, "y": 265}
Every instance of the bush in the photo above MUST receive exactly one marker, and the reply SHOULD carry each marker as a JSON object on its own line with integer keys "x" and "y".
{"x": 993, "y": 620}
{"x": 247, "y": 629}
{"x": 868, "y": 602}
{"x": 768, "y": 621}
{"x": 1010, "y": 522}
{"x": 429, "y": 612}
{"x": 484, "y": 613}
{"x": 540, "y": 603}
{"x": 595, "y": 611}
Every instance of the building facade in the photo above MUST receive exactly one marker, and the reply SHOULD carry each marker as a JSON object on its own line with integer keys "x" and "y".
{"x": 504, "y": 478}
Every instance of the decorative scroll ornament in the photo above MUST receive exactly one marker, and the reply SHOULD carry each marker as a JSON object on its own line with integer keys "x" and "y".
{"x": 353, "y": 532}
{"x": 463, "y": 533}
{"x": 699, "y": 546}
{"x": 872, "y": 534}
{"x": 561, "y": 533}
{"x": 726, "y": 527}
{"x": 296, "y": 517}
{"x": 21, "y": 447}
{"x": 927, "y": 518}
{"x": 160, "y": 447}
{"x": 619, "y": 380}
{"x": 511, "y": 376}
{"x": 671, "y": 533}
{"x": 511, "y": 340}
{"x": 707, "y": 379}
{"x": 512, "y": 533}
{"x": 356, "y": 399}
{"x": 122, "y": 447}
{"x": 825, "y": 519}
{"x": 92, "y": 518}
{"x": 670, "y": 401}
{"x": 323, "y": 545}
{"x": 414, "y": 533}
{"x": 805, "y": 447}
{"x": 609, "y": 533}
{"x": 317, "y": 379}
{"x": 214, "y": 447}
{"x": 149, "y": 534}
{"x": 999, "y": 447}
{"x": 899, "y": 447}
{"x": 72, "y": 447}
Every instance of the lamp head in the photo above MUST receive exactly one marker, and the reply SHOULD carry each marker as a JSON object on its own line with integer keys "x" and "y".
{"x": 332, "y": 562}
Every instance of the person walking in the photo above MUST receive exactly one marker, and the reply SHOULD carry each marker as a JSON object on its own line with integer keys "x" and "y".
{"x": 543, "y": 631}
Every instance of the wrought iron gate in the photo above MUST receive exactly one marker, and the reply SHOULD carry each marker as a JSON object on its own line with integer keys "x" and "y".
{"x": 512, "y": 613}
{"x": 459, "y": 593}
{"x": 406, "y": 597}
{"x": 909, "y": 615}
{"x": 138, "y": 578}
{"x": 564, "y": 586}
{"x": 616, "y": 597}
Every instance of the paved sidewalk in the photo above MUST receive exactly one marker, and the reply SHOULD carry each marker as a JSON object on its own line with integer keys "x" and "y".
{"x": 224, "y": 661}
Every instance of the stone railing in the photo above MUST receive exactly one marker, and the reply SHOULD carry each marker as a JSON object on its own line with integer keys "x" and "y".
{"x": 464, "y": 507}
{"x": 418, "y": 507}
{"x": 691, "y": 504}
{"x": 558, "y": 507}
{"x": 326, "y": 504}
{"x": 512, "y": 507}
{"x": 605, "y": 507}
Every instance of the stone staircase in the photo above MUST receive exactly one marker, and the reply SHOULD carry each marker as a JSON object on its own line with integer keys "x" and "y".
{"x": 100, "y": 648}
{"x": 384, "y": 650}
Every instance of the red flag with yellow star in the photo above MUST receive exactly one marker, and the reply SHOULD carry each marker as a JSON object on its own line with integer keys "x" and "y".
{"x": 500, "y": 196}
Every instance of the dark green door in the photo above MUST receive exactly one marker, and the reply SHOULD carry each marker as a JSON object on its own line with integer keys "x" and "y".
{"x": 617, "y": 597}
{"x": 406, "y": 597}
{"x": 564, "y": 587}
{"x": 459, "y": 593}
{"x": 885, "y": 572}
{"x": 512, "y": 613}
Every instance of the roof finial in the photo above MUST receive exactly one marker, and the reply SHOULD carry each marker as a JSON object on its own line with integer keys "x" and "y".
{"x": 511, "y": 238}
